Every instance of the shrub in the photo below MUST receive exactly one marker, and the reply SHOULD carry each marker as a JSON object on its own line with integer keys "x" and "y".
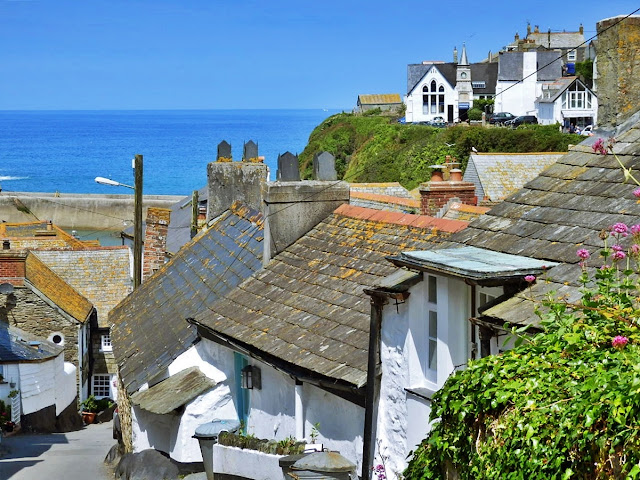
{"x": 475, "y": 114}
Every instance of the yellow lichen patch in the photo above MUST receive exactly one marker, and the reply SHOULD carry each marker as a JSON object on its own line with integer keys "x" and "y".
{"x": 225, "y": 159}
{"x": 255, "y": 160}
{"x": 313, "y": 263}
{"x": 347, "y": 273}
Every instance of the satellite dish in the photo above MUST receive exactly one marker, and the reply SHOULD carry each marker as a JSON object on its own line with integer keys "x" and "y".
{"x": 6, "y": 288}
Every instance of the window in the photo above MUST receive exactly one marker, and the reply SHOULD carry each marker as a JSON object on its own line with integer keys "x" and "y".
{"x": 105, "y": 343}
{"x": 101, "y": 385}
{"x": 571, "y": 56}
{"x": 432, "y": 98}
{"x": 430, "y": 368}
{"x": 478, "y": 84}
{"x": 576, "y": 97}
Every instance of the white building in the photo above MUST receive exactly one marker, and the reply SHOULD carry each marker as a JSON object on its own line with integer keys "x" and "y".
{"x": 439, "y": 89}
{"x": 567, "y": 101}
{"x": 520, "y": 79}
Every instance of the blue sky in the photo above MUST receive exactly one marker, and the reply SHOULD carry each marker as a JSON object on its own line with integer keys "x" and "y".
{"x": 230, "y": 54}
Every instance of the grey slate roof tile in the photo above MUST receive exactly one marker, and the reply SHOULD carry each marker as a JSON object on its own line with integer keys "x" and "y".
{"x": 310, "y": 298}
{"x": 149, "y": 328}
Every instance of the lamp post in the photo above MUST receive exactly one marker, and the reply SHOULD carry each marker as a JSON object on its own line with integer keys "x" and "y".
{"x": 137, "y": 221}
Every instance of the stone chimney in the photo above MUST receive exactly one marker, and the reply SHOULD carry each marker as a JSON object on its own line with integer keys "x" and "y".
{"x": 618, "y": 69}
{"x": 516, "y": 37}
{"x": 234, "y": 181}
{"x": 291, "y": 209}
{"x": 155, "y": 240}
{"x": 455, "y": 55}
{"x": 536, "y": 29}
{"x": 436, "y": 193}
{"x": 528, "y": 28}
{"x": 581, "y": 30}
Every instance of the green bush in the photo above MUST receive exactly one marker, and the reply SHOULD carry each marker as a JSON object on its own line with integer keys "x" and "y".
{"x": 378, "y": 149}
{"x": 475, "y": 114}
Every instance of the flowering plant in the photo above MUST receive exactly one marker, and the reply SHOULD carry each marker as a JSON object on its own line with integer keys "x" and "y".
{"x": 564, "y": 404}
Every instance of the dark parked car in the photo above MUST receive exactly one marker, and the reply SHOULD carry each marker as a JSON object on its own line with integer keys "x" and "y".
{"x": 500, "y": 118}
{"x": 521, "y": 120}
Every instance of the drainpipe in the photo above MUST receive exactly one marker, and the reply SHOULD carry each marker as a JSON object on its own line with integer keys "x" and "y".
{"x": 299, "y": 414}
{"x": 374, "y": 375}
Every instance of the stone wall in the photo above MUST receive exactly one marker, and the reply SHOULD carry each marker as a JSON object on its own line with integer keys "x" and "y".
{"x": 34, "y": 315}
{"x": 103, "y": 362}
{"x": 618, "y": 67}
{"x": 155, "y": 240}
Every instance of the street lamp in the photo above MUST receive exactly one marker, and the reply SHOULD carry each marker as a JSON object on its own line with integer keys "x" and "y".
{"x": 137, "y": 222}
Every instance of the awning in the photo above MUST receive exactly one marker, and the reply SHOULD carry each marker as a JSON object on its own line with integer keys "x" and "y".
{"x": 175, "y": 391}
{"x": 472, "y": 263}
{"x": 463, "y": 105}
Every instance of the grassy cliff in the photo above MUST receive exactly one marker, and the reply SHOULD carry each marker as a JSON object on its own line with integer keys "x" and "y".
{"x": 373, "y": 148}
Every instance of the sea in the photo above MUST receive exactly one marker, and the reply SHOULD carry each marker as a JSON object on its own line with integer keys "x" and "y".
{"x": 63, "y": 151}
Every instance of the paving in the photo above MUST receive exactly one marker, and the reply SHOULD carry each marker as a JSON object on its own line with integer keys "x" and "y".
{"x": 59, "y": 456}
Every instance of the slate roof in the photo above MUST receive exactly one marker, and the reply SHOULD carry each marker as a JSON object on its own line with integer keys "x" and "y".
{"x": 45, "y": 280}
{"x": 560, "y": 211}
{"x": 18, "y": 346}
{"x": 557, "y": 39}
{"x": 149, "y": 328}
{"x": 461, "y": 211}
{"x": 379, "y": 99}
{"x": 39, "y": 234}
{"x": 498, "y": 175}
{"x": 307, "y": 307}
{"x": 102, "y": 275}
{"x": 551, "y": 91}
{"x": 510, "y": 66}
{"x": 479, "y": 71}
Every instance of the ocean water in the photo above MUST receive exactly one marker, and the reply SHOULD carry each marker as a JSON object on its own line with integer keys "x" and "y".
{"x": 49, "y": 151}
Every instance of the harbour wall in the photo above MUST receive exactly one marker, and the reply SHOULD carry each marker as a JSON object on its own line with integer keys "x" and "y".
{"x": 78, "y": 211}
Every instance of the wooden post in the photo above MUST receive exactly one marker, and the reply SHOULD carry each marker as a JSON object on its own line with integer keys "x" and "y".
{"x": 194, "y": 213}
{"x": 137, "y": 235}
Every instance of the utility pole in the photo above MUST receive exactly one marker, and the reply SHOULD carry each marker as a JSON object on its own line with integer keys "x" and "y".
{"x": 137, "y": 225}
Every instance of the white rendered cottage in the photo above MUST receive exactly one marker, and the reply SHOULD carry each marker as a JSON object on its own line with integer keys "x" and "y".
{"x": 567, "y": 101}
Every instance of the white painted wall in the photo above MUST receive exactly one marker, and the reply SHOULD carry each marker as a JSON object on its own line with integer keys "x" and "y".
{"x": 173, "y": 434}
{"x": 403, "y": 418}
{"x": 65, "y": 383}
{"x": 520, "y": 98}
{"x": 413, "y": 99}
{"x": 38, "y": 385}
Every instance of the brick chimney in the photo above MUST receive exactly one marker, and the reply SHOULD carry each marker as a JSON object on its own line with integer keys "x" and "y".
{"x": 618, "y": 66}
{"x": 436, "y": 193}
{"x": 155, "y": 240}
{"x": 12, "y": 267}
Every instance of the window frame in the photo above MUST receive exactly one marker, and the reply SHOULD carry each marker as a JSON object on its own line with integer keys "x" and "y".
{"x": 101, "y": 377}
{"x": 105, "y": 343}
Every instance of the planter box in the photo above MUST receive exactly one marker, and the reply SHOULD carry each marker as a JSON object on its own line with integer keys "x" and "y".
{"x": 246, "y": 463}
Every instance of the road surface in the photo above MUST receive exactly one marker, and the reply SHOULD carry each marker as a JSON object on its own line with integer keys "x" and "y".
{"x": 59, "y": 456}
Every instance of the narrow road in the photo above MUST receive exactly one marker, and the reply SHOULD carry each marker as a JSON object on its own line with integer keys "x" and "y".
{"x": 58, "y": 456}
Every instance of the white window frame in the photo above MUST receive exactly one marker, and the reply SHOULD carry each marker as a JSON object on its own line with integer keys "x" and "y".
{"x": 105, "y": 382}
{"x": 105, "y": 343}
{"x": 572, "y": 55}
{"x": 483, "y": 296}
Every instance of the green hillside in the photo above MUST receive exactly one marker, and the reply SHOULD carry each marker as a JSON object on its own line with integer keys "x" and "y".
{"x": 374, "y": 148}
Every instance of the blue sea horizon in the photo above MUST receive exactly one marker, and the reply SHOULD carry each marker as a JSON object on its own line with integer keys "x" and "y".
{"x": 64, "y": 150}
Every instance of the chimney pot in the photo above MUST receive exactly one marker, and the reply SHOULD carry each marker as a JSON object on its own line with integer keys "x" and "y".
{"x": 6, "y": 245}
{"x": 456, "y": 175}
{"x": 437, "y": 174}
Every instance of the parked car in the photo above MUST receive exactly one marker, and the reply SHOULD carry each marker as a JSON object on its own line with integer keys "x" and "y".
{"x": 587, "y": 131}
{"x": 438, "y": 122}
{"x": 521, "y": 120}
{"x": 500, "y": 117}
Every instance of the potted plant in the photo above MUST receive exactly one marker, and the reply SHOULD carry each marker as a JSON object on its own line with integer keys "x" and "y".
{"x": 89, "y": 409}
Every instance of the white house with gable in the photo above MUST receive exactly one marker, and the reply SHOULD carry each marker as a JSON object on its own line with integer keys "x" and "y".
{"x": 566, "y": 101}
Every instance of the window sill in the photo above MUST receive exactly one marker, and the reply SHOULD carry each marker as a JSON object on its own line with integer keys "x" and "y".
{"x": 425, "y": 392}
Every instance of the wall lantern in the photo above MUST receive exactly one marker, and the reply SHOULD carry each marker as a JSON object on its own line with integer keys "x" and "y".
{"x": 251, "y": 377}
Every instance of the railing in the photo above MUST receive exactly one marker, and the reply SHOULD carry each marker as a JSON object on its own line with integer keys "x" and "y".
{"x": 15, "y": 409}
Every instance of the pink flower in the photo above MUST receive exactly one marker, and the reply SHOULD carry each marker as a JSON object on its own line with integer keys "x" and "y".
{"x": 635, "y": 249}
{"x": 604, "y": 267}
{"x": 530, "y": 278}
{"x": 636, "y": 192}
{"x": 598, "y": 147}
{"x": 635, "y": 229}
{"x": 583, "y": 253}
{"x": 619, "y": 228}
{"x": 616, "y": 248}
{"x": 618, "y": 255}
{"x": 619, "y": 342}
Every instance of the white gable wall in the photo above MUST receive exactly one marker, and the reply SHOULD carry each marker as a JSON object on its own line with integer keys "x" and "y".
{"x": 38, "y": 385}
{"x": 403, "y": 417}
{"x": 519, "y": 98}
{"x": 417, "y": 112}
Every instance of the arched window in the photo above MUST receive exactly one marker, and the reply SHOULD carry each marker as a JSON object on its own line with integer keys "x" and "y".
{"x": 432, "y": 98}
{"x": 441, "y": 99}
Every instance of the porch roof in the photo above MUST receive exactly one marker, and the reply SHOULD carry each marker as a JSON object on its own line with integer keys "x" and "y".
{"x": 473, "y": 263}
{"x": 173, "y": 392}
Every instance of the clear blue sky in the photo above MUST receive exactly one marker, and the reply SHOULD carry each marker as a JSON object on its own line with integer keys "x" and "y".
{"x": 159, "y": 54}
